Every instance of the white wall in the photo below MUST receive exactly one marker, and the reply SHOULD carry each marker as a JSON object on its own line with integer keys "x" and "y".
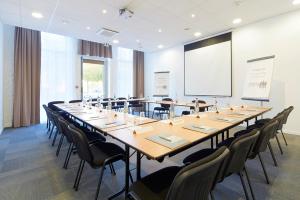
{"x": 279, "y": 36}
{"x": 8, "y": 74}
{"x": 1, "y": 77}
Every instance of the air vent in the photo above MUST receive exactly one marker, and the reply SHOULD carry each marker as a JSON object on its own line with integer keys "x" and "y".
{"x": 106, "y": 32}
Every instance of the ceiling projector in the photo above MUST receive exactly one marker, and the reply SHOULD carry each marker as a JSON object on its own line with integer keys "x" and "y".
{"x": 126, "y": 13}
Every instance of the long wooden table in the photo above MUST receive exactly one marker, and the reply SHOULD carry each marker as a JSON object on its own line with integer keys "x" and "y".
{"x": 137, "y": 137}
{"x": 176, "y": 103}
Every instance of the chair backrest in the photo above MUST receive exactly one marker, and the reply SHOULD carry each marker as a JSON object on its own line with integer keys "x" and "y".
{"x": 199, "y": 101}
{"x": 51, "y": 104}
{"x": 194, "y": 182}
{"x": 266, "y": 133}
{"x": 240, "y": 149}
{"x": 133, "y": 102}
{"x": 55, "y": 116}
{"x": 122, "y": 102}
{"x": 287, "y": 113}
{"x": 64, "y": 129}
{"x": 167, "y": 106}
{"x": 47, "y": 111}
{"x": 280, "y": 118}
{"x": 81, "y": 143}
{"x": 106, "y": 103}
{"x": 75, "y": 101}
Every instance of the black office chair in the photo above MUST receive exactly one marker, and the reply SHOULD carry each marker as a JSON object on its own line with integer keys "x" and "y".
{"x": 48, "y": 125}
{"x": 120, "y": 105}
{"x": 163, "y": 109}
{"x": 263, "y": 141}
{"x": 75, "y": 101}
{"x": 105, "y": 104}
{"x": 192, "y": 182}
{"x": 280, "y": 118}
{"x": 185, "y": 112}
{"x": 240, "y": 149}
{"x": 66, "y": 133}
{"x": 97, "y": 155}
{"x": 135, "y": 105}
{"x": 52, "y": 103}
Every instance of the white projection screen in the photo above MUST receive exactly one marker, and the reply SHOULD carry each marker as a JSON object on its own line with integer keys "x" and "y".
{"x": 208, "y": 67}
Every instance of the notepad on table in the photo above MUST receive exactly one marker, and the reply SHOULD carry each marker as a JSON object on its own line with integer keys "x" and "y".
{"x": 226, "y": 119}
{"x": 167, "y": 140}
{"x": 199, "y": 128}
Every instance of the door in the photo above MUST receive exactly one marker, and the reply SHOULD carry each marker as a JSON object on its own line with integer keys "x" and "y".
{"x": 93, "y": 73}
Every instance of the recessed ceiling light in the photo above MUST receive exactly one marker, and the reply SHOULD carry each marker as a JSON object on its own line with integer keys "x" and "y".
{"x": 193, "y": 15}
{"x": 160, "y": 46}
{"x": 138, "y": 41}
{"x": 104, "y": 11}
{"x": 115, "y": 41}
{"x": 159, "y": 30}
{"x": 88, "y": 28}
{"x": 296, "y": 2}
{"x": 197, "y": 34}
{"x": 237, "y": 21}
{"x": 37, "y": 15}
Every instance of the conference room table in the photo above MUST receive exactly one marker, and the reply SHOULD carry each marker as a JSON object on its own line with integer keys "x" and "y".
{"x": 175, "y": 103}
{"x": 157, "y": 139}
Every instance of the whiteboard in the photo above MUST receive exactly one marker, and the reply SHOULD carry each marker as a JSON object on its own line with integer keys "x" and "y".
{"x": 208, "y": 70}
{"x": 258, "y": 79}
{"x": 161, "y": 83}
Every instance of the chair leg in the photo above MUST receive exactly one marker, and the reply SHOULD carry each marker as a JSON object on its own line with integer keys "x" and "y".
{"x": 99, "y": 183}
{"x": 263, "y": 166}
{"x": 279, "y": 145}
{"x": 60, "y": 144}
{"x": 79, "y": 175}
{"x": 47, "y": 125}
{"x": 69, "y": 153}
{"x": 283, "y": 137}
{"x": 272, "y": 154}
{"x": 244, "y": 185}
{"x": 51, "y": 132}
{"x": 249, "y": 183}
{"x": 152, "y": 114}
{"x": 54, "y": 139}
{"x": 212, "y": 195}
{"x": 112, "y": 169}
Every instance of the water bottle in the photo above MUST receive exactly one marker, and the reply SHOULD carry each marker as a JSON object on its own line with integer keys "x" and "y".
{"x": 109, "y": 105}
{"x": 99, "y": 102}
{"x": 172, "y": 111}
{"x": 197, "y": 106}
{"x": 125, "y": 110}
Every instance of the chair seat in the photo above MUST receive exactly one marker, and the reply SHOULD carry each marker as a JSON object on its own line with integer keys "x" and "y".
{"x": 185, "y": 112}
{"x": 263, "y": 121}
{"x": 104, "y": 150}
{"x": 93, "y": 136}
{"x": 206, "y": 152}
{"x": 242, "y": 132}
{"x": 198, "y": 155}
{"x": 155, "y": 186}
{"x": 160, "y": 109}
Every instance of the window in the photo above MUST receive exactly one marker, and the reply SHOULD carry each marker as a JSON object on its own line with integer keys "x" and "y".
{"x": 124, "y": 72}
{"x": 58, "y": 69}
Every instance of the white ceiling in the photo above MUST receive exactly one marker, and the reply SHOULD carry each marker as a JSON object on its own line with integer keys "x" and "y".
{"x": 172, "y": 16}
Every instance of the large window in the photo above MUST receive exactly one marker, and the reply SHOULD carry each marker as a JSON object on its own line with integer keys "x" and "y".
{"x": 58, "y": 69}
{"x": 124, "y": 72}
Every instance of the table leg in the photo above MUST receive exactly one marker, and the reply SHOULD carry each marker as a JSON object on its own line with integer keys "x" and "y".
{"x": 217, "y": 140}
{"x": 223, "y": 135}
{"x": 212, "y": 143}
{"x": 227, "y": 134}
{"x": 138, "y": 165}
{"x": 148, "y": 109}
{"x": 126, "y": 170}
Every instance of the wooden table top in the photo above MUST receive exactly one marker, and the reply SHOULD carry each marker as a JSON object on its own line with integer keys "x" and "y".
{"x": 139, "y": 141}
{"x": 179, "y": 103}
{"x": 105, "y": 120}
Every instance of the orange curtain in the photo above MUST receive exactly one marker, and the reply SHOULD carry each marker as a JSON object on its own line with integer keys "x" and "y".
{"x": 27, "y": 71}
